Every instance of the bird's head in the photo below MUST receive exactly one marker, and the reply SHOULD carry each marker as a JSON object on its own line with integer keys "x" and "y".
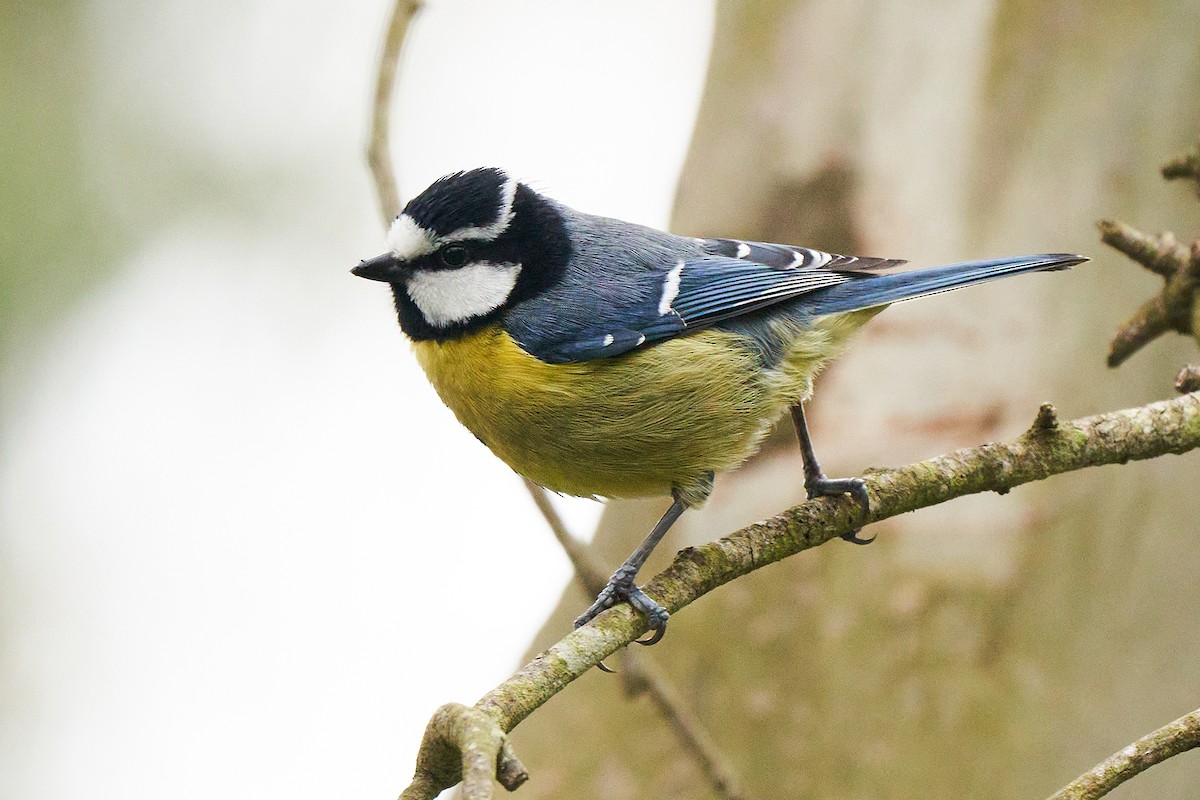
{"x": 468, "y": 247}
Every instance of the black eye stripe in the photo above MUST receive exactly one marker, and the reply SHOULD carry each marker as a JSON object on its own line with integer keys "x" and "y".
{"x": 504, "y": 249}
{"x": 496, "y": 251}
{"x": 454, "y": 255}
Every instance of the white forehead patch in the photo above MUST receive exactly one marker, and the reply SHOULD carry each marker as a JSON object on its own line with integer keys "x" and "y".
{"x": 447, "y": 296}
{"x": 407, "y": 240}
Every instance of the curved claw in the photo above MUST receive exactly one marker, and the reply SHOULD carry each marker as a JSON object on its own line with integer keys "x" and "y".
{"x": 656, "y": 615}
{"x": 606, "y": 668}
{"x": 655, "y": 637}
{"x": 854, "y": 538}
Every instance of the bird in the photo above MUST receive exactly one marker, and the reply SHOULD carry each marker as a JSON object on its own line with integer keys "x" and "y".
{"x": 606, "y": 359}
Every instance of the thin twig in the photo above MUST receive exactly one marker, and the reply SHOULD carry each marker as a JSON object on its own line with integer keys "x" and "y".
{"x": 1162, "y": 254}
{"x": 640, "y": 677}
{"x": 1169, "y": 310}
{"x": 1169, "y": 426}
{"x": 1185, "y": 166}
{"x": 691, "y": 732}
{"x": 379, "y": 156}
{"x": 1188, "y": 379}
{"x": 1170, "y": 740}
{"x": 589, "y": 573}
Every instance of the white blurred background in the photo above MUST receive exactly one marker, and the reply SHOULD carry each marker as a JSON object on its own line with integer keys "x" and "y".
{"x": 243, "y": 543}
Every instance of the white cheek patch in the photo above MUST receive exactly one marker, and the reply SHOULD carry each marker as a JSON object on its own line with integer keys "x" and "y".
{"x": 449, "y": 296}
{"x": 408, "y": 240}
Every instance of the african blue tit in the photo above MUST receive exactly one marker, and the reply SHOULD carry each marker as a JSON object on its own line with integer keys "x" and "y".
{"x": 600, "y": 358}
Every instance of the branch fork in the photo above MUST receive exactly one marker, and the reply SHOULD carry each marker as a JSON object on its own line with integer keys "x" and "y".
{"x": 1172, "y": 309}
{"x": 1176, "y": 307}
{"x": 464, "y": 744}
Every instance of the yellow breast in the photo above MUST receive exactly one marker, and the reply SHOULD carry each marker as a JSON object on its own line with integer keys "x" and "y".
{"x": 643, "y": 423}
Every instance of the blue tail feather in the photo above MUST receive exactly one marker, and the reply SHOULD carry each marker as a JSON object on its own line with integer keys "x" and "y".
{"x": 872, "y": 290}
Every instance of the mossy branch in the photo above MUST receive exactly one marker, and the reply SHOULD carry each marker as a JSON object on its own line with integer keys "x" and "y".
{"x": 464, "y": 744}
{"x": 1050, "y": 447}
{"x": 1170, "y": 740}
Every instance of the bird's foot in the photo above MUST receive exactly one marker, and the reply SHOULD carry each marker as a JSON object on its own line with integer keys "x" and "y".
{"x": 821, "y": 486}
{"x": 621, "y": 588}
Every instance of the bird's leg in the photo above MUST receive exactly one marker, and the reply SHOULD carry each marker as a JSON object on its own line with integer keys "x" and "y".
{"x": 622, "y": 588}
{"x": 818, "y": 485}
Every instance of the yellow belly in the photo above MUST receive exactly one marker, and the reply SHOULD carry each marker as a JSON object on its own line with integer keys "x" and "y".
{"x": 643, "y": 423}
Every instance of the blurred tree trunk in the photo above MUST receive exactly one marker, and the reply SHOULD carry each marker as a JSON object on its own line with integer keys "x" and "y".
{"x": 996, "y": 646}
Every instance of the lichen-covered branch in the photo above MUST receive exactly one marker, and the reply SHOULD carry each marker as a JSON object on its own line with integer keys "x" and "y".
{"x": 379, "y": 156}
{"x": 1172, "y": 309}
{"x": 1050, "y": 447}
{"x": 1170, "y": 740}
{"x": 463, "y": 744}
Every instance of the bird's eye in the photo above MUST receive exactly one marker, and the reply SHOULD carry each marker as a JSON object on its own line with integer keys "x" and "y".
{"x": 455, "y": 255}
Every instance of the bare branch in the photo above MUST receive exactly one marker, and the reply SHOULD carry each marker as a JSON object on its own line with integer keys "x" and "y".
{"x": 1169, "y": 310}
{"x": 643, "y": 679}
{"x": 1161, "y": 254}
{"x": 1188, "y": 379}
{"x": 379, "y": 156}
{"x": 589, "y": 573}
{"x": 1170, "y": 740}
{"x": 1185, "y": 166}
{"x": 464, "y": 744}
{"x": 1047, "y": 418}
{"x": 1169, "y": 426}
